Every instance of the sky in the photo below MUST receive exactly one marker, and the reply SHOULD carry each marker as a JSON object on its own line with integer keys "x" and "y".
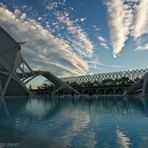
{"x": 79, "y": 37}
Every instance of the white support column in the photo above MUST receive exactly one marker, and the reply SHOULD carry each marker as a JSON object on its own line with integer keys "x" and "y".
{"x": 29, "y": 79}
{"x": 22, "y": 84}
{"x": 21, "y": 69}
{"x": 10, "y": 75}
{"x": 28, "y": 66}
{"x": 145, "y": 83}
{"x": 55, "y": 91}
{"x": 6, "y": 85}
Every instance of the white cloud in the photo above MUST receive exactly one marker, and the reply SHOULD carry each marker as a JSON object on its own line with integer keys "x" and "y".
{"x": 83, "y": 19}
{"x": 52, "y": 5}
{"x": 42, "y": 48}
{"x": 101, "y": 39}
{"x": 142, "y": 47}
{"x": 76, "y": 36}
{"x": 142, "y": 43}
{"x": 103, "y": 42}
{"x": 96, "y": 64}
{"x": 120, "y": 20}
{"x": 141, "y": 19}
{"x": 104, "y": 45}
{"x": 96, "y": 28}
{"x": 17, "y": 12}
{"x": 128, "y": 17}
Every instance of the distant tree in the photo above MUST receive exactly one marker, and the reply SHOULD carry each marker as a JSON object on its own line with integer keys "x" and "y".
{"x": 124, "y": 80}
{"x": 73, "y": 84}
{"x": 107, "y": 82}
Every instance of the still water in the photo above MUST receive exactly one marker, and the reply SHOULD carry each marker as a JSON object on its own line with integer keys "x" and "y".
{"x": 74, "y": 122}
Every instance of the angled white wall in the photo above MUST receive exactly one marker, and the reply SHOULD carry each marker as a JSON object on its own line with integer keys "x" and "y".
{"x": 10, "y": 60}
{"x": 141, "y": 85}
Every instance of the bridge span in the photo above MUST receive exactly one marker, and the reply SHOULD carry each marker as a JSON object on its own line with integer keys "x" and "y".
{"x": 58, "y": 83}
{"x": 105, "y": 83}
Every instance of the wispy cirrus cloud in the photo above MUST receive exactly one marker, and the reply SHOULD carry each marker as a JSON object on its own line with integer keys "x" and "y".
{"x": 141, "y": 19}
{"x": 142, "y": 47}
{"x": 96, "y": 28}
{"x": 52, "y": 5}
{"x": 120, "y": 20}
{"x": 75, "y": 35}
{"x": 140, "y": 26}
{"x": 142, "y": 43}
{"x": 103, "y": 42}
{"x": 127, "y": 18}
{"x": 97, "y": 65}
{"x": 42, "y": 46}
{"x": 100, "y": 65}
{"x": 59, "y": 44}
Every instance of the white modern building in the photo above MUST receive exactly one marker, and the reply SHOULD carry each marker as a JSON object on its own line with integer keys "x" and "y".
{"x": 11, "y": 61}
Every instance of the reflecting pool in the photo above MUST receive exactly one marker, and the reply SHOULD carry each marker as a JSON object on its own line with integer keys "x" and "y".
{"x": 74, "y": 122}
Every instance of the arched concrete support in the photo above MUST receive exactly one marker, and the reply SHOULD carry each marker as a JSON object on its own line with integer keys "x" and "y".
{"x": 136, "y": 86}
{"x": 145, "y": 85}
{"x": 15, "y": 87}
{"x": 59, "y": 84}
{"x": 142, "y": 85}
{"x": 63, "y": 89}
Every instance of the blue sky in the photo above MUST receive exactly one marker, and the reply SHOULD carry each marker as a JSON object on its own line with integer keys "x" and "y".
{"x": 78, "y": 37}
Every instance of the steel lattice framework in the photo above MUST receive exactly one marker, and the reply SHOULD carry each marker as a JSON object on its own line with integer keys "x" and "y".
{"x": 130, "y": 74}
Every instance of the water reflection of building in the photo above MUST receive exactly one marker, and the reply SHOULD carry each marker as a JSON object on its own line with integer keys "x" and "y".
{"x": 65, "y": 118}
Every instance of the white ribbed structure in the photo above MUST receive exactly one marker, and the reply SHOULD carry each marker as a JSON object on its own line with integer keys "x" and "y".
{"x": 141, "y": 85}
{"x": 10, "y": 61}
